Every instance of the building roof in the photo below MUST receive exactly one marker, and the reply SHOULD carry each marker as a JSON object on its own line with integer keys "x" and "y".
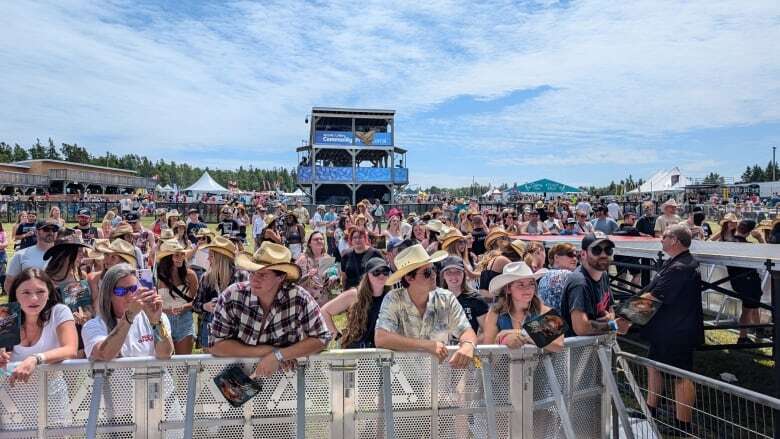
{"x": 545, "y": 186}
{"x": 26, "y": 163}
{"x": 347, "y": 111}
{"x": 16, "y": 165}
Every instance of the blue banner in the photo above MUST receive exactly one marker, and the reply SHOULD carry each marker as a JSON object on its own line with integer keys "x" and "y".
{"x": 345, "y": 138}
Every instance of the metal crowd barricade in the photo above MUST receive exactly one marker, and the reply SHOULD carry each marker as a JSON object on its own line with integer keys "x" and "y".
{"x": 346, "y": 394}
{"x": 720, "y": 410}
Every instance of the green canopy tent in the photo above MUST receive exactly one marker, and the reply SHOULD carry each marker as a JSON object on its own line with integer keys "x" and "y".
{"x": 546, "y": 187}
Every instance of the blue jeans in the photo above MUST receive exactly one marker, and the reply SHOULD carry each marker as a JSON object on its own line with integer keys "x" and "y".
{"x": 203, "y": 332}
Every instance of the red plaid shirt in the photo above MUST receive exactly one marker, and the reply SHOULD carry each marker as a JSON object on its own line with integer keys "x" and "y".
{"x": 294, "y": 316}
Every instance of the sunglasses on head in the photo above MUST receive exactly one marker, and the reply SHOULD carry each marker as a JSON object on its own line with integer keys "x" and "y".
{"x": 120, "y": 292}
{"x": 384, "y": 271}
{"x": 607, "y": 249}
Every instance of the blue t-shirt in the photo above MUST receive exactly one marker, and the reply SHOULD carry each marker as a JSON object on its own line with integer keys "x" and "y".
{"x": 606, "y": 225}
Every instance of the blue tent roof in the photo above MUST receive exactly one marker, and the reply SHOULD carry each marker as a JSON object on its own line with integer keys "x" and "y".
{"x": 546, "y": 186}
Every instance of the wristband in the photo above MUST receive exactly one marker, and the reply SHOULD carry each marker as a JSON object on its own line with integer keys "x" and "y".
{"x": 278, "y": 355}
{"x": 613, "y": 326}
{"x": 160, "y": 333}
{"x": 128, "y": 319}
{"x": 39, "y": 359}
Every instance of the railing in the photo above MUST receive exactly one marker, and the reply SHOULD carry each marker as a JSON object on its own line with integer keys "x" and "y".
{"x": 719, "y": 410}
{"x": 21, "y": 179}
{"x": 102, "y": 178}
{"x": 348, "y": 174}
{"x": 511, "y": 394}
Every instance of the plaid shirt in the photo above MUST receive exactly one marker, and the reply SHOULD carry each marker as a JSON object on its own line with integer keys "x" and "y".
{"x": 294, "y": 316}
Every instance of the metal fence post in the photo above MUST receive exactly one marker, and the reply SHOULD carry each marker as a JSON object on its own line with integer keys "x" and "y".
{"x": 560, "y": 401}
{"x": 300, "y": 413}
{"x": 387, "y": 397}
{"x": 490, "y": 403}
{"x": 189, "y": 414}
{"x": 613, "y": 390}
{"x": 94, "y": 404}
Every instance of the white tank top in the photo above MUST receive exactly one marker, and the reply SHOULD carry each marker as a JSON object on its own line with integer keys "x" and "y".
{"x": 171, "y": 299}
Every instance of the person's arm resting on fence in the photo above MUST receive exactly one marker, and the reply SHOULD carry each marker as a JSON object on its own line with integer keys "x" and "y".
{"x": 223, "y": 338}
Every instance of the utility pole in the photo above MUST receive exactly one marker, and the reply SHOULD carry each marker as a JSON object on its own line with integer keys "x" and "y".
{"x": 774, "y": 163}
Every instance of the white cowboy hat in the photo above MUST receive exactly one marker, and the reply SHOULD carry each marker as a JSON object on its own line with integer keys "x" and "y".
{"x": 270, "y": 256}
{"x": 411, "y": 259}
{"x": 435, "y": 226}
{"x": 512, "y": 271}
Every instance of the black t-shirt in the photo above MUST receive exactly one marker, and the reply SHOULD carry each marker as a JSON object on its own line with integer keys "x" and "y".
{"x": 748, "y": 284}
{"x": 30, "y": 240}
{"x": 479, "y": 235}
{"x": 366, "y": 341}
{"x": 646, "y": 225}
{"x": 88, "y": 234}
{"x": 679, "y": 321}
{"x": 474, "y": 306}
{"x": 353, "y": 265}
{"x": 192, "y": 230}
{"x": 626, "y": 230}
{"x": 582, "y": 293}
{"x": 228, "y": 227}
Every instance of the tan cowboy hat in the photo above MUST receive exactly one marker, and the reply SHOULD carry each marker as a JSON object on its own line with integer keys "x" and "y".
{"x": 169, "y": 247}
{"x": 166, "y": 234}
{"x": 729, "y": 218}
{"x": 118, "y": 247}
{"x": 269, "y": 218}
{"x": 411, "y": 259}
{"x": 494, "y": 235}
{"x": 435, "y": 226}
{"x": 512, "y": 271}
{"x": 472, "y": 212}
{"x": 270, "y": 256}
{"x": 205, "y": 232}
{"x": 223, "y": 246}
{"x": 179, "y": 224}
{"x": 670, "y": 203}
{"x": 94, "y": 253}
{"x": 451, "y": 236}
{"x": 766, "y": 224}
{"x": 173, "y": 213}
{"x": 518, "y": 245}
{"x": 122, "y": 230}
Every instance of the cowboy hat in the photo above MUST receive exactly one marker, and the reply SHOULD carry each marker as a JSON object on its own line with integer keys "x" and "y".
{"x": 269, "y": 218}
{"x": 269, "y": 256}
{"x": 223, "y": 246}
{"x": 179, "y": 224}
{"x": 729, "y": 218}
{"x": 451, "y": 236}
{"x": 512, "y": 271}
{"x": 766, "y": 224}
{"x": 173, "y": 213}
{"x": 122, "y": 230}
{"x": 518, "y": 245}
{"x": 65, "y": 243}
{"x": 494, "y": 235}
{"x": 671, "y": 202}
{"x": 94, "y": 253}
{"x": 168, "y": 248}
{"x": 166, "y": 234}
{"x": 435, "y": 226}
{"x": 411, "y": 259}
{"x": 118, "y": 247}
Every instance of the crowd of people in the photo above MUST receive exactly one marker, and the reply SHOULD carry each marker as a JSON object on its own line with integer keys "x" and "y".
{"x": 457, "y": 275}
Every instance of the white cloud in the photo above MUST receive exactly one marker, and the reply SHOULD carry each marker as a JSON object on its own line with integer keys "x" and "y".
{"x": 239, "y": 77}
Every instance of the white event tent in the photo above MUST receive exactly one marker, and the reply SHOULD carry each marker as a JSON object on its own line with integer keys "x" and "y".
{"x": 671, "y": 181}
{"x": 206, "y": 185}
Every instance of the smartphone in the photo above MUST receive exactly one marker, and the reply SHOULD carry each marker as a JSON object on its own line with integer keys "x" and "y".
{"x": 145, "y": 278}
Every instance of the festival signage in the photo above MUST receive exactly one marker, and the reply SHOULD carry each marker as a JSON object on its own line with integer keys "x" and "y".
{"x": 347, "y": 138}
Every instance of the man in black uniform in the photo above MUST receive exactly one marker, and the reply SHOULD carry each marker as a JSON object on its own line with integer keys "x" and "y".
{"x": 678, "y": 326}
{"x": 88, "y": 231}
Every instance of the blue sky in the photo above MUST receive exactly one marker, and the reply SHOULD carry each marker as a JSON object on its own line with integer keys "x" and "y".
{"x": 579, "y": 92}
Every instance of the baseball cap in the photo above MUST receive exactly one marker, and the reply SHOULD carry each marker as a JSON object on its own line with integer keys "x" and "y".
{"x": 131, "y": 217}
{"x": 192, "y": 211}
{"x": 375, "y": 263}
{"x": 84, "y": 211}
{"x": 452, "y": 262}
{"x": 394, "y": 244}
{"x": 595, "y": 238}
{"x": 47, "y": 223}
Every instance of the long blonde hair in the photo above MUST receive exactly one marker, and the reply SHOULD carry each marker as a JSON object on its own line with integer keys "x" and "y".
{"x": 220, "y": 273}
{"x": 357, "y": 314}
{"x": 110, "y": 215}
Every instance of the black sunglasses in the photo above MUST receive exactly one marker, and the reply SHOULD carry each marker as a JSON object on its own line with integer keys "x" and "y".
{"x": 384, "y": 271}
{"x": 608, "y": 250}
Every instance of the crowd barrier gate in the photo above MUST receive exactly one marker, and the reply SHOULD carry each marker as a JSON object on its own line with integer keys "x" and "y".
{"x": 521, "y": 393}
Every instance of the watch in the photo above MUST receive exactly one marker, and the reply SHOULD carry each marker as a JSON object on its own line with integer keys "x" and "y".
{"x": 278, "y": 355}
{"x": 39, "y": 359}
{"x": 613, "y": 326}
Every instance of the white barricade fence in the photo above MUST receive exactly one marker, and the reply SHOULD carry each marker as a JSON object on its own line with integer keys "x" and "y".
{"x": 520, "y": 393}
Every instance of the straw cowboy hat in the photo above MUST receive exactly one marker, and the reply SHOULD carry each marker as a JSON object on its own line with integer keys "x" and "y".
{"x": 172, "y": 214}
{"x": 65, "y": 243}
{"x": 270, "y": 256}
{"x": 451, "y": 236}
{"x": 269, "y": 219}
{"x": 411, "y": 259}
{"x": 94, "y": 253}
{"x": 512, "y": 271}
{"x": 118, "y": 247}
{"x": 205, "y": 232}
{"x": 729, "y": 218}
{"x": 179, "y": 224}
{"x": 494, "y": 235}
{"x": 122, "y": 230}
{"x": 670, "y": 203}
{"x": 166, "y": 234}
{"x": 766, "y": 224}
{"x": 518, "y": 246}
{"x": 169, "y": 247}
{"x": 223, "y": 246}
{"x": 435, "y": 226}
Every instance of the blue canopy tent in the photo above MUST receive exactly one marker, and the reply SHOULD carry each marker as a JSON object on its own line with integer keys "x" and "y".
{"x": 545, "y": 187}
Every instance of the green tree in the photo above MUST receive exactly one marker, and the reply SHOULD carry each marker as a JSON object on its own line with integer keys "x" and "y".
{"x": 6, "y": 153}
{"x": 51, "y": 151}
{"x": 19, "y": 153}
{"x": 713, "y": 178}
{"x": 37, "y": 151}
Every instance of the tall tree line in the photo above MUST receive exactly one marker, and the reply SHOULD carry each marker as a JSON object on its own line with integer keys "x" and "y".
{"x": 756, "y": 173}
{"x": 181, "y": 174}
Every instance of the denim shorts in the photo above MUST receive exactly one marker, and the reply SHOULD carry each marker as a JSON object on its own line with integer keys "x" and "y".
{"x": 181, "y": 325}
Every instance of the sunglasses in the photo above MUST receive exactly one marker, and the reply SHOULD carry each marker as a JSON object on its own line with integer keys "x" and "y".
{"x": 49, "y": 229}
{"x": 120, "y": 292}
{"x": 427, "y": 273}
{"x": 570, "y": 254}
{"x": 596, "y": 251}
{"x": 384, "y": 271}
